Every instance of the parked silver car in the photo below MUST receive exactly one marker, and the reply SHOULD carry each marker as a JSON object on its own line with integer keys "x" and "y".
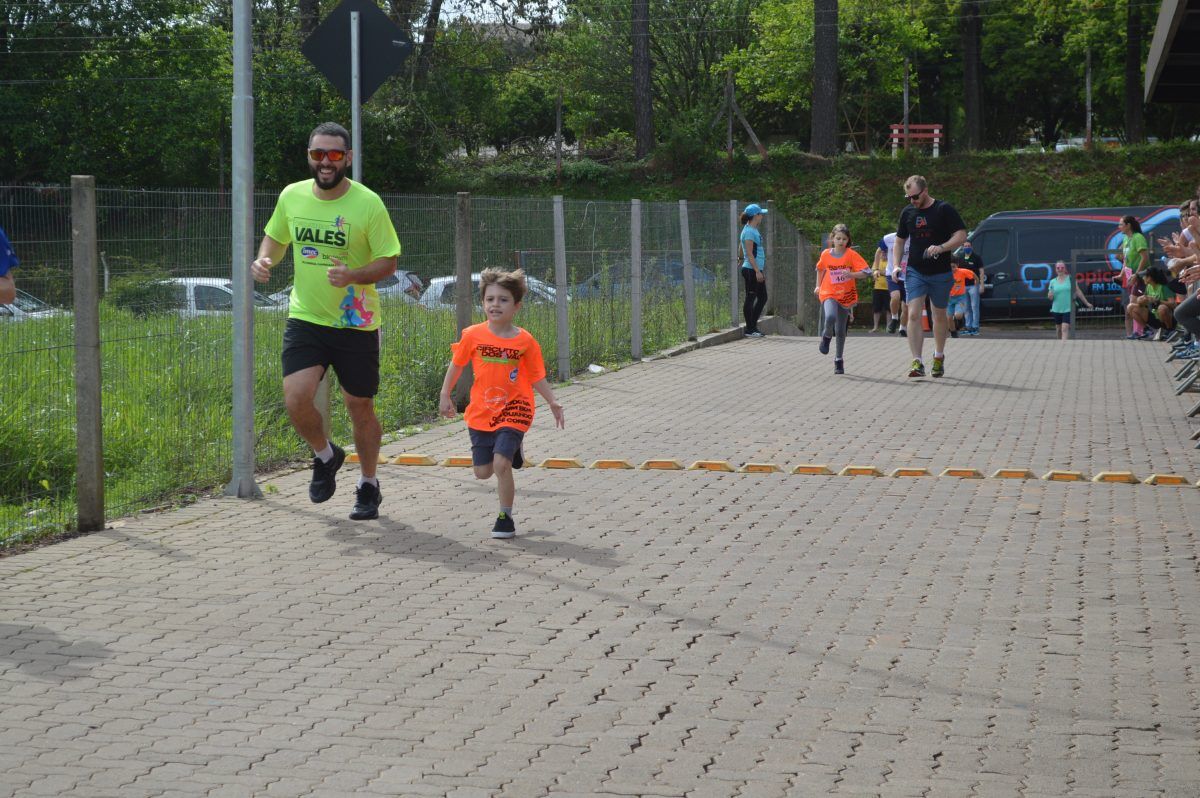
{"x": 27, "y": 306}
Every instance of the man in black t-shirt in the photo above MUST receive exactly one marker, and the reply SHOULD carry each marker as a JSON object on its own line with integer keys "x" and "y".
{"x": 935, "y": 230}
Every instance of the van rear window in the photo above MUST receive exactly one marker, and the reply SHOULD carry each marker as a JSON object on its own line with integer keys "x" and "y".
{"x": 1050, "y": 244}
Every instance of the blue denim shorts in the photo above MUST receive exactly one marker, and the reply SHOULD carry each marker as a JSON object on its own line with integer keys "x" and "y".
{"x": 957, "y": 302}
{"x": 935, "y": 286}
{"x": 505, "y": 441}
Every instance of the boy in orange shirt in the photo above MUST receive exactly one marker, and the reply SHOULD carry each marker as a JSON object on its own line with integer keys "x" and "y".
{"x": 957, "y": 309}
{"x": 837, "y": 269}
{"x": 508, "y": 367}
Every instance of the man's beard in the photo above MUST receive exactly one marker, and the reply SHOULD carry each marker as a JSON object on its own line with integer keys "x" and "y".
{"x": 338, "y": 174}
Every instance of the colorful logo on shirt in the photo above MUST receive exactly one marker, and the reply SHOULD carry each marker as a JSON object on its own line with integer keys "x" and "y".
{"x": 512, "y": 375}
{"x": 322, "y": 232}
{"x": 339, "y": 222}
{"x": 495, "y": 397}
{"x": 354, "y": 309}
{"x": 922, "y": 222}
{"x": 308, "y": 253}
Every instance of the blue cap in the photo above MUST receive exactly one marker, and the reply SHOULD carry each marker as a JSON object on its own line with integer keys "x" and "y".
{"x": 754, "y": 209}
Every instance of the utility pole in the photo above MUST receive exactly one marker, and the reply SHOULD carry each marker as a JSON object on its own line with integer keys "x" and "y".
{"x": 1087, "y": 141}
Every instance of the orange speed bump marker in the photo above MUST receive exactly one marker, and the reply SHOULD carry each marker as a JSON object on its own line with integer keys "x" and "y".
{"x": 458, "y": 462}
{"x": 1013, "y": 473}
{"x": 911, "y": 472}
{"x": 812, "y": 468}
{"x": 1167, "y": 479}
{"x": 962, "y": 473}
{"x": 859, "y": 471}
{"x": 413, "y": 460}
{"x": 1064, "y": 476}
{"x": 354, "y": 458}
{"x": 1127, "y": 477}
{"x": 760, "y": 468}
{"x": 561, "y": 462}
{"x": 711, "y": 465}
{"x": 612, "y": 464}
{"x": 662, "y": 465}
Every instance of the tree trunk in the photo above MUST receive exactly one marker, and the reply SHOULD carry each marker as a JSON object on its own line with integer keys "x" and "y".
{"x": 971, "y": 29}
{"x": 427, "y": 40}
{"x": 1135, "y": 129}
{"x": 643, "y": 118}
{"x": 825, "y": 77}
{"x": 310, "y": 13}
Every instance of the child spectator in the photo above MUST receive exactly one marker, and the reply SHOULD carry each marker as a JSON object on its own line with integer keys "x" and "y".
{"x": 508, "y": 368}
{"x": 956, "y": 311}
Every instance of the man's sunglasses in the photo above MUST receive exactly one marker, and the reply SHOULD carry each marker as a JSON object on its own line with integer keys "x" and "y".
{"x": 334, "y": 156}
{"x": 910, "y": 197}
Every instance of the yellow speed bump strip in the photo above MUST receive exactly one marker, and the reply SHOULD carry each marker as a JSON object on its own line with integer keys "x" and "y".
{"x": 612, "y": 464}
{"x": 711, "y": 465}
{"x": 561, "y": 462}
{"x": 458, "y": 462}
{"x": 911, "y": 472}
{"x": 1013, "y": 473}
{"x": 1064, "y": 476}
{"x": 413, "y": 460}
{"x": 760, "y": 468}
{"x": 1128, "y": 477}
{"x": 812, "y": 468}
{"x": 860, "y": 471}
{"x": 962, "y": 473}
{"x": 662, "y": 465}
{"x": 1167, "y": 479}
{"x": 353, "y": 458}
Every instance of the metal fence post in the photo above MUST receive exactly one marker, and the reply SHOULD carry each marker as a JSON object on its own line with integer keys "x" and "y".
{"x": 772, "y": 266}
{"x": 464, "y": 287}
{"x": 810, "y": 309}
{"x": 242, "y": 484}
{"x": 1074, "y": 269}
{"x": 560, "y": 291}
{"x": 635, "y": 277}
{"x": 89, "y": 434}
{"x": 735, "y": 258}
{"x": 689, "y": 279}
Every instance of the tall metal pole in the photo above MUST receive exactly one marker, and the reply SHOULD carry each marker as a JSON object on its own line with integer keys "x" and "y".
{"x": 735, "y": 262}
{"x": 906, "y": 105}
{"x": 1087, "y": 140}
{"x": 242, "y": 484}
{"x": 560, "y": 291}
{"x": 635, "y": 278}
{"x": 89, "y": 431}
{"x": 355, "y": 100}
{"x": 689, "y": 279}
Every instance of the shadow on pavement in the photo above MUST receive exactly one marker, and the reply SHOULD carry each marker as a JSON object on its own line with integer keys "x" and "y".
{"x": 533, "y": 543}
{"x": 40, "y": 651}
{"x": 145, "y": 544}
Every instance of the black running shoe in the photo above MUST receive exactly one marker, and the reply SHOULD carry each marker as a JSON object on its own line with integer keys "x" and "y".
{"x": 366, "y": 502}
{"x": 823, "y": 347}
{"x": 903, "y": 333}
{"x": 323, "y": 483}
{"x": 504, "y": 527}
{"x": 893, "y": 325}
{"x": 839, "y": 367}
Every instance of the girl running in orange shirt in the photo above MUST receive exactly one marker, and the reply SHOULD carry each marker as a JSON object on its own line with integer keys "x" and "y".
{"x": 837, "y": 269}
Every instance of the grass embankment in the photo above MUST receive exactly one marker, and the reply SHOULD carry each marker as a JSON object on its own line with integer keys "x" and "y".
{"x": 168, "y": 386}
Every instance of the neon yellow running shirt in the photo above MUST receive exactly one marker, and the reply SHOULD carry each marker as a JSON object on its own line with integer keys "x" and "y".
{"x": 355, "y": 229}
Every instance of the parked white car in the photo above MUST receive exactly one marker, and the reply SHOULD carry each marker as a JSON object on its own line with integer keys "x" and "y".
{"x": 403, "y": 285}
{"x": 205, "y": 296}
{"x": 441, "y": 293}
{"x": 27, "y": 306}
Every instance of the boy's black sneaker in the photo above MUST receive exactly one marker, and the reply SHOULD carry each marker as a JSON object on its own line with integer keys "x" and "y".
{"x": 367, "y": 499}
{"x": 954, "y": 333}
{"x": 504, "y": 527}
{"x": 323, "y": 483}
{"x": 839, "y": 367}
{"x": 823, "y": 347}
{"x": 893, "y": 325}
{"x": 903, "y": 333}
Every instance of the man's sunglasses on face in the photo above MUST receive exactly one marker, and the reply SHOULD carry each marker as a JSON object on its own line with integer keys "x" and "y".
{"x": 910, "y": 197}
{"x": 334, "y": 156}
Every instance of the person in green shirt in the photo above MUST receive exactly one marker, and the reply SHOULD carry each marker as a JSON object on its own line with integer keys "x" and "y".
{"x": 1135, "y": 254}
{"x": 1156, "y": 308}
{"x": 343, "y": 242}
{"x": 1060, "y": 294}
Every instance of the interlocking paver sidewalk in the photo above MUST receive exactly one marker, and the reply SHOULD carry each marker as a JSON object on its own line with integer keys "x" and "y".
{"x": 658, "y": 633}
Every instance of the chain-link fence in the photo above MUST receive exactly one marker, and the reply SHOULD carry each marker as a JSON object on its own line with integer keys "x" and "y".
{"x": 166, "y": 331}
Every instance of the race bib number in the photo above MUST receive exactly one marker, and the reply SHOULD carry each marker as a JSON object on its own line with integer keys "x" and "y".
{"x": 838, "y": 276}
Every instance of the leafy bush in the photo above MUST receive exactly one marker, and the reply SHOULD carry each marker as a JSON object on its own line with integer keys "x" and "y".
{"x": 144, "y": 294}
{"x": 586, "y": 171}
{"x": 614, "y": 146}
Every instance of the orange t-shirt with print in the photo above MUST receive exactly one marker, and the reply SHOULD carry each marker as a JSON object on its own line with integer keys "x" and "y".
{"x": 834, "y": 273}
{"x": 505, "y": 371}
{"x": 960, "y": 281}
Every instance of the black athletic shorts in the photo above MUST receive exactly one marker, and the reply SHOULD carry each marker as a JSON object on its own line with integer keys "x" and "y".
{"x": 881, "y": 300}
{"x": 354, "y": 354}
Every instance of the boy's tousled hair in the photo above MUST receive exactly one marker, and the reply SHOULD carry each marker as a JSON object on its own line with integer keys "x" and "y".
{"x": 513, "y": 282}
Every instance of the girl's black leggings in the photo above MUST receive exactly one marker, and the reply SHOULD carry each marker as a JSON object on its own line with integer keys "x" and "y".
{"x": 756, "y": 300}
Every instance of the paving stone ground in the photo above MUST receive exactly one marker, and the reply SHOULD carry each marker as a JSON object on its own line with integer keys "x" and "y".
{"x": 659, "y": 633}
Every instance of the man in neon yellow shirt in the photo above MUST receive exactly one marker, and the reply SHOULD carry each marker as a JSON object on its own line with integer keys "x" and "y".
{"x": 343, "y": 242}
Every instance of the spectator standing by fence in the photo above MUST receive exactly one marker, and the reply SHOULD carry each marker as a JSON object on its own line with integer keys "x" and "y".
{"x": 343, "y": 243}
{"x": 933, "y": 229}
{"x": 754, "y": 263}
{"x": 880, "y": 296}
{"x": 8, "y": 261}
